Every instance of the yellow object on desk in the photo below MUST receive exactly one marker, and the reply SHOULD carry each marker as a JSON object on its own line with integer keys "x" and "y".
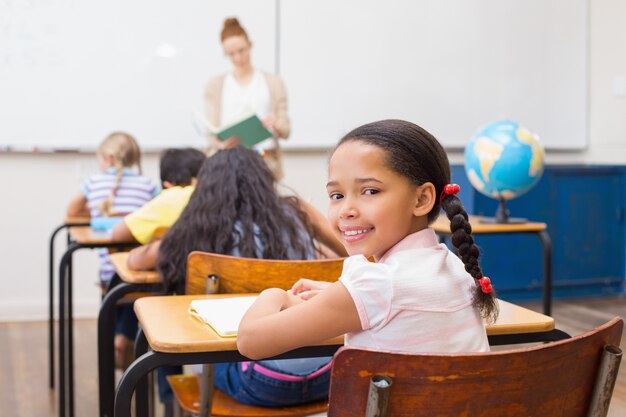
{"x": 132, "y": 276}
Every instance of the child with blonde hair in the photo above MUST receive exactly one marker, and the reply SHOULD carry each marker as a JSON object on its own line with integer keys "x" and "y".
{"x": 118, "y": 189}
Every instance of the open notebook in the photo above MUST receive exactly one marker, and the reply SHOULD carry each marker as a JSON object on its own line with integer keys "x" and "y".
{"x": 222, "y": 314}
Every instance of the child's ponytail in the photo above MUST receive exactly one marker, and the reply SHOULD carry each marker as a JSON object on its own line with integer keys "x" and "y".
{"x": 484, "y": 296}
{"x": 124, "y": 152}
{"x": 106, "y": 205}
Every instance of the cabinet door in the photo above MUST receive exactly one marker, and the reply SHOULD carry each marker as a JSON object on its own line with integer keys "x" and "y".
{"x": 588, "y": 227}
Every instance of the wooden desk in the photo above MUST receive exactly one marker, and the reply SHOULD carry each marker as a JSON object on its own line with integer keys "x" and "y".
{"x": 131, "y": 276}
{"x": 68, "y": 222}
{"x": 443, "y": 225}
{"x": 179, "y": 331}
{"x": 177, "y": 338}
{"x": 130, "y": 281}
{"x": 80, "y": 237}
{"x": 86, "y": 235}
{"x": 442, "y": 228}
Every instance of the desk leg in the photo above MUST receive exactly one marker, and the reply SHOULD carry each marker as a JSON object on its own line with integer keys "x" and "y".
{"x": 106, "y": 357}
{"x": 64, "y": 280}
{"x": 142, "y": 402}
{"x": 134, "y": 373}
{"x": 106, "y": 334}
{"x": 70, "y": 335}
{"x": 206, "y": 390}
{"x": 51, "y": 303}
{"x": 547, "y": 271}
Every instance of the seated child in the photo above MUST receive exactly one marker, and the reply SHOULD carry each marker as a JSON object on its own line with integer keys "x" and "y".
{"x": 236, "y": 210}
{"x": 117, "y": 190}
{"x": 179, "y": 169}
{"x": 387, "y": 181}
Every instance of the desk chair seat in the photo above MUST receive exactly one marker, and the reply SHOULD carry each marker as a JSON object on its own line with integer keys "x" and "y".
{"x": 187, "y": 391}
{"x": 573, "y": 377}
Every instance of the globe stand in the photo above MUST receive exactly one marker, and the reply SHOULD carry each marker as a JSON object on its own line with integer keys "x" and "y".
{"x": 502, "y": 216}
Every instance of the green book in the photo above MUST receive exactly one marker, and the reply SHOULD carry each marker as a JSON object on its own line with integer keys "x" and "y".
{"x": 249, "y": 129}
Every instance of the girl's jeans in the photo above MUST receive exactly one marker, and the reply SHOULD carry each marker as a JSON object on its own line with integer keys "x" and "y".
{"x": 251, "y": 387}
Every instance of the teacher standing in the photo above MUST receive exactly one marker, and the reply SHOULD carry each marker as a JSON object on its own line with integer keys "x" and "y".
{"x": 246, "y": 89}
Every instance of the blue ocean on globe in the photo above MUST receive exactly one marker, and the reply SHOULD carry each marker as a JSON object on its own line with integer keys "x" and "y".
{"x": 503, "y": 160}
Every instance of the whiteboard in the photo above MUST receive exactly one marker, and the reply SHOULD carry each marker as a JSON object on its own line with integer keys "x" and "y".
{"x": 448, "y": 65}
{"x": 72, "y": 71}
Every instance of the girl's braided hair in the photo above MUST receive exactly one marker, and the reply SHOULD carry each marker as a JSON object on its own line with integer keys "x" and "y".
{"x": 415, "y": 154}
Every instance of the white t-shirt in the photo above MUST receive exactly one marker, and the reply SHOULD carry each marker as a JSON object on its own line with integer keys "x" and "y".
{"x": 238, "y": 100}
{"x": 417, "y": 298}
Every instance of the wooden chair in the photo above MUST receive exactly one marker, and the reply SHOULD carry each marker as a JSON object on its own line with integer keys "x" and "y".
{"x": 573, "y": 377}
{"x": 212, "y": 273}
{"x": 247, "y": 275}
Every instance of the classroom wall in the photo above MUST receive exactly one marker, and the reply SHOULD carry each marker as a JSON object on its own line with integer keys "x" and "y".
{"x": 36, "y": 187}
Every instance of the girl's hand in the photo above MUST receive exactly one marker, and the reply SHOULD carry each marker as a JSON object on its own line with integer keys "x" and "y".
{"x": 279, "y": 299}
{"x": 272, "y": 326}
{"x": 307, "y": 288}
{"x": 291, "y": 300}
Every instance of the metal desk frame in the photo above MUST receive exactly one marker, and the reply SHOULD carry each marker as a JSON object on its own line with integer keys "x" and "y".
{"x": 66, "y": 324}
{"x": 106, "y": 334}
{"x": 56, "y": 231}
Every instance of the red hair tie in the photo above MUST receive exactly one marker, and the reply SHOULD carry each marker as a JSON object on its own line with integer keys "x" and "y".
{"x": 449, "y": 189}
{"x": 485, "y": 285}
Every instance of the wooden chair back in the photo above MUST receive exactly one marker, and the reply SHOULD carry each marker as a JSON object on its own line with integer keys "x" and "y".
{"x": 246, "y": 275}
{"x": 555, "y": 379}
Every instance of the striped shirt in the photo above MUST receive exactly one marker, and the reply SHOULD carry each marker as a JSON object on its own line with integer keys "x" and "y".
{"x": 133, "y": 192}
{"x": 417, "y": 298}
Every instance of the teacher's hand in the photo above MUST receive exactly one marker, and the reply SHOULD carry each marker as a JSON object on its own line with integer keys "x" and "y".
{"x": 269, "y": 122}
{"x": 231, "y": 142}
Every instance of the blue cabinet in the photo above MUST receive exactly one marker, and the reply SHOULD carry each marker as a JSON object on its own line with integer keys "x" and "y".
{"x": 584, "y": 210}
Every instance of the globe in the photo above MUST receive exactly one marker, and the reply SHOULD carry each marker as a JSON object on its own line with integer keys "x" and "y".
{"x": 504, "y": 160}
